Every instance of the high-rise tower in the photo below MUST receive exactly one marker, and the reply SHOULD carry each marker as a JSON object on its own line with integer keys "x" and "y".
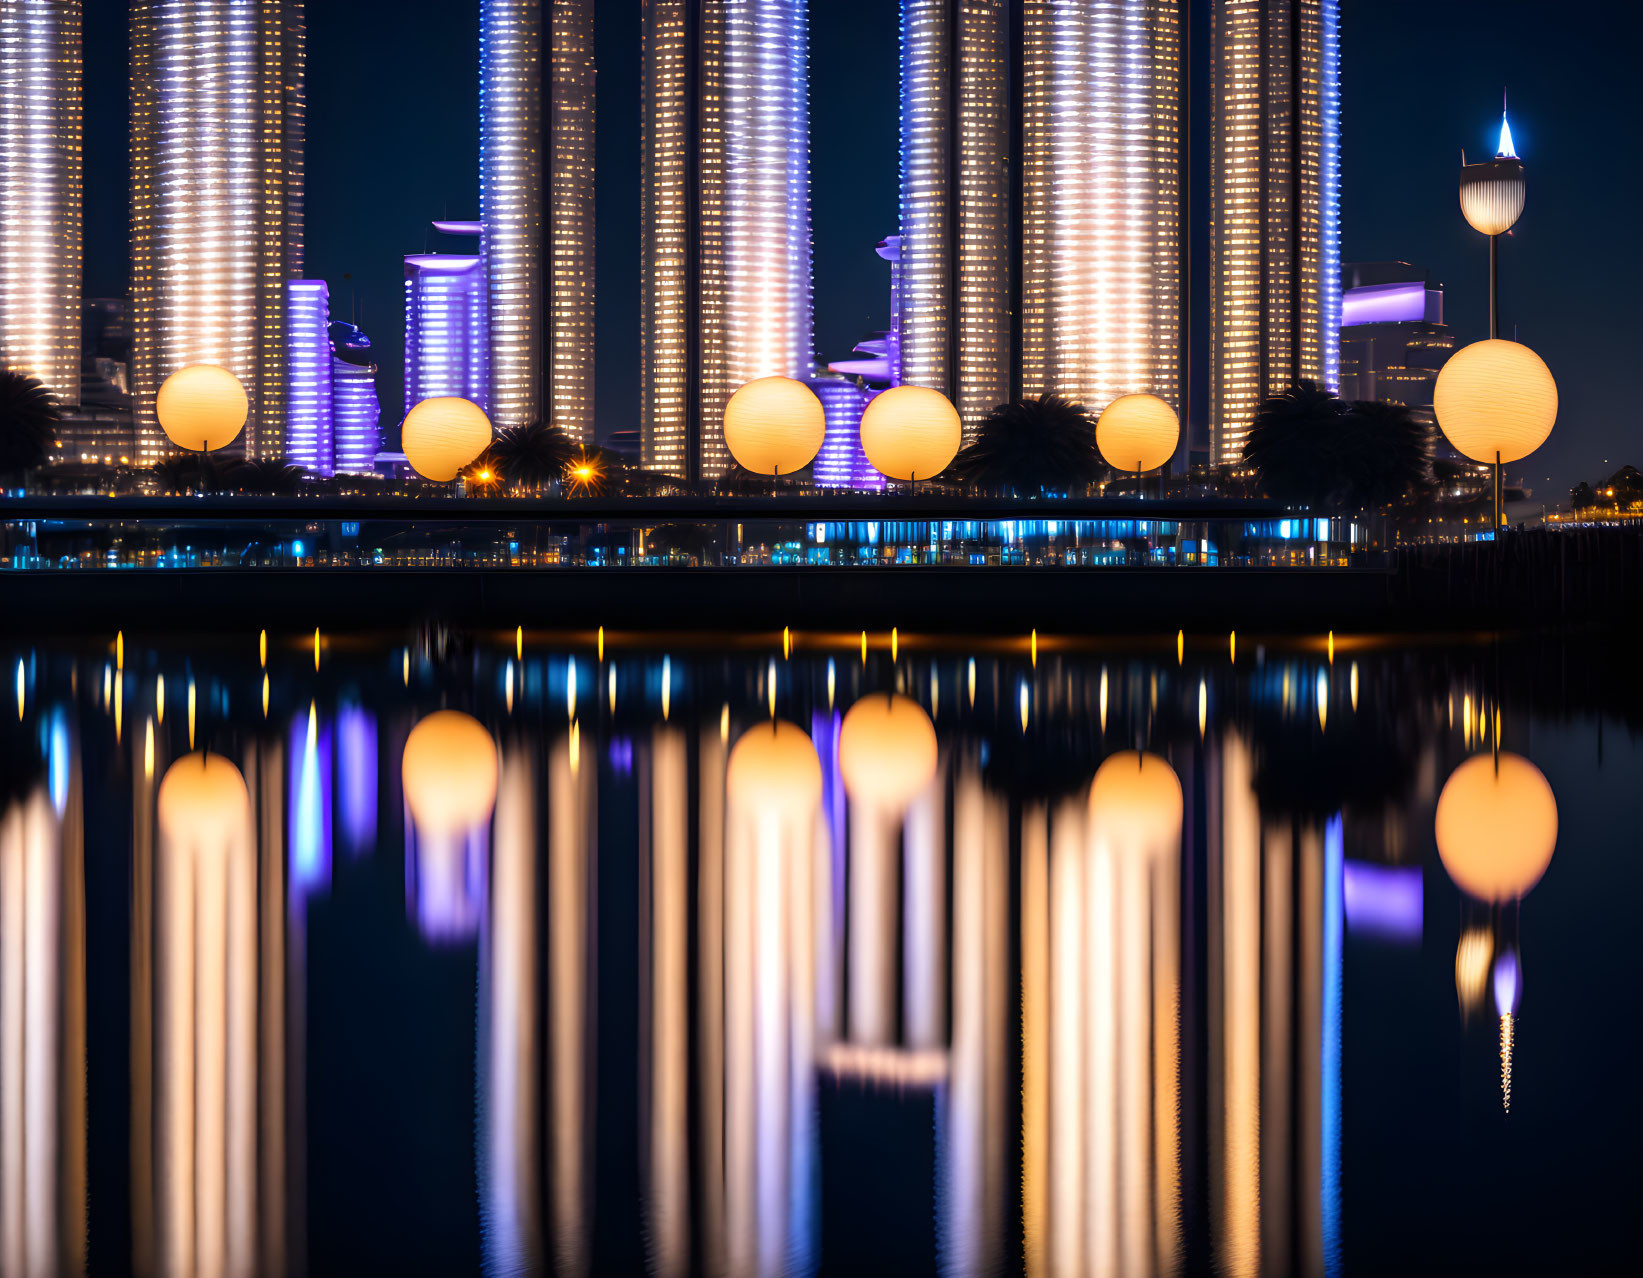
{"x": 1101, "y": 242}
{"x": 216, "y": 199}
{"x": 40, "y": 184}
{"x": 1275, "y": 298}
{"x": 725, "y": 260}
{"x": 955, "y": 201}
{"x": 536, "y": 200}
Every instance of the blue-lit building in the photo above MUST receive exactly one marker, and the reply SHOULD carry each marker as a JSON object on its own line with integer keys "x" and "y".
{"x": 841, "y": 462}
{"x": 447, "y": 327}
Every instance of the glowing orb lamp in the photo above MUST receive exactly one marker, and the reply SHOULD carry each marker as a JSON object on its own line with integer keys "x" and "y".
{"x": 887, "y": 751}
{"x": 1495, "y": 396}
{"x": 1496, "y": 827}
{"x": 449, "y": 772}
{"x": 1137, "y": 433}
{"x": 774, "y": 769}
{"x": 203, "y": 802}
{"x": 1135, "y": 801}
{"x": 202, "y": 407}
{"x": 1492, "y": 194}
{"x": 774, "y": 426}
{"x": 441, "y": 436}
{"x": 911, "y": 432}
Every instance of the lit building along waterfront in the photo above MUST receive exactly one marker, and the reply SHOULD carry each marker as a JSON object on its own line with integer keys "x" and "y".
{"x": 1275, "y": 298}
{"x": 40, "y": 192}
{"x": 217, "y": 107}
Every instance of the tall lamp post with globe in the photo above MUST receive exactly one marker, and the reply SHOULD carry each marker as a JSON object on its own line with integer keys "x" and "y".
{"x": 1495, "y": 400}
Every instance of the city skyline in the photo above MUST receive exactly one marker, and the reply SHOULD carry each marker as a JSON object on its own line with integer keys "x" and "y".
{"x": 1410, "y": 147}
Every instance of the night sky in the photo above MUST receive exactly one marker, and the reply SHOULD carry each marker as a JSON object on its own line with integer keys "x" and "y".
{"x": 393, "y": 143}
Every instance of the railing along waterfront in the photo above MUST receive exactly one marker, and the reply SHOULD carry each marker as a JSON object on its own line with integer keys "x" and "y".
{"x": 99, "y": 534}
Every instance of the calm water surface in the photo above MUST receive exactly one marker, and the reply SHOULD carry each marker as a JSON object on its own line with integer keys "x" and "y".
{"x": 446, "y": 953}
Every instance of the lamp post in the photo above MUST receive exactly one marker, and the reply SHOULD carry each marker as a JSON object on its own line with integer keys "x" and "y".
{"x": 1491, "y": 197}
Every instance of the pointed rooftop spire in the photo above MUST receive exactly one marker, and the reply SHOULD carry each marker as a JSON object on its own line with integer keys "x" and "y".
{"x": 1506, "y": 150}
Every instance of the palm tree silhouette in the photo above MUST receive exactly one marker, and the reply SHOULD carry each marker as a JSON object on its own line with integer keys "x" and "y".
{"x": 29, "y": 414}
{"x": 1309, "y": 448}
{"x": 1032, "y": 446}
{"x": 276, "y": 476}
{"x": 533, "y": 455}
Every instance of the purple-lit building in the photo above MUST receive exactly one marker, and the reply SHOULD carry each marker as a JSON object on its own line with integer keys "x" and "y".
{"x": 356, "y": 413}
{"x": 1393, "y": 338}
{"x": 447, "y": 328}
{"x": 332, "y": 412}
{"x": 841, "y": 462}
{"x": 308, "y": 430}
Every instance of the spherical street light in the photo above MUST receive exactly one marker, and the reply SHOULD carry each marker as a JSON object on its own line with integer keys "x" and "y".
{"x": 441, "y": 436}
{"x": 911, "y": 433}
{"x": 774, "y": 426}
{"x": 202, "y": 408}
{"x": 1137, "y": 433}
{"x": 1495, "y": 401}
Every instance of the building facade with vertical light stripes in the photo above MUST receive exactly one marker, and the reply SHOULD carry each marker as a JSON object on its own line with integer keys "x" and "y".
{"x": 40, "y": 192}
{"x": 217, "y": 122}
{"x": 725, "y": 254}
{"x": 1101, "y": 173}
{"x": 1275, "y": 311}
{"x": 955, "y": 201}
{"x": 537, "y": 204}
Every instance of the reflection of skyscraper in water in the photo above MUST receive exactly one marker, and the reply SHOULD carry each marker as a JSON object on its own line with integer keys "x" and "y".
{"x": 1100, "y": 899}
{"x": 210, "y": 1061}
{"x": 42, "y": 1020}
{"x": 1275, "y": 935}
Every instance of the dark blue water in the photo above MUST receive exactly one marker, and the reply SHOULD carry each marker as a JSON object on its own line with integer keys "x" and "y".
{"x": 448, "y": 953}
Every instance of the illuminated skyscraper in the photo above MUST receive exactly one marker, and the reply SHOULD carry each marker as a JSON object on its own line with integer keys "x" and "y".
{"x": 541, "y": 258}
{"x": 308, "y": 424}
{"x": 955, "y": 201}
{"x": 725, "y": 264}
{"x": 1275, "y": 299}
{"x": 216, "y": 199}
{"x": 446, "y": 334}
{"x": 1101, "y": 242}
{"x": 40, "y": 180}
{"x": 356, "y": 412}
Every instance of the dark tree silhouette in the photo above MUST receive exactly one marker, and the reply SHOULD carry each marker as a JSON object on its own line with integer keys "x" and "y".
{"x": 1032, "y": 446}
{"x": 192, "y": 472}
{"x": 1295, "y": 446}
{"x": 275, "y": 476}
{"x": 1385, "y": 455}
{"x": 533, "y": 455}
{"x": 29, "y": 414}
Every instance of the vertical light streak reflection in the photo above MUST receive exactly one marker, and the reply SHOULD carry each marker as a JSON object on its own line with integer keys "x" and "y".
{"x": 42, "y": 1027}
{"x": 570, "y": 903}
{"x": 509, "y": 1031}
{"x": 972, "y": 1140}
{"x": 1277, "y": 1082}
{"x": 1240, "y": 882}
{"x": 668, "y": 1175}
{"x": 1035, "y": 1021}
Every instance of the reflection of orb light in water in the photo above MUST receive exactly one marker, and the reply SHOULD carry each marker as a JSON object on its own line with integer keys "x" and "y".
{"x": 1472, "y": 957}
{"x": 203, "y": 801}
{"x": 449, "y": 772}
{"x": 774, "y": 769}
{"x": 887, "y": 751}
{"x": 1496, "y": 826}
{"x": 1136, "y": 800}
